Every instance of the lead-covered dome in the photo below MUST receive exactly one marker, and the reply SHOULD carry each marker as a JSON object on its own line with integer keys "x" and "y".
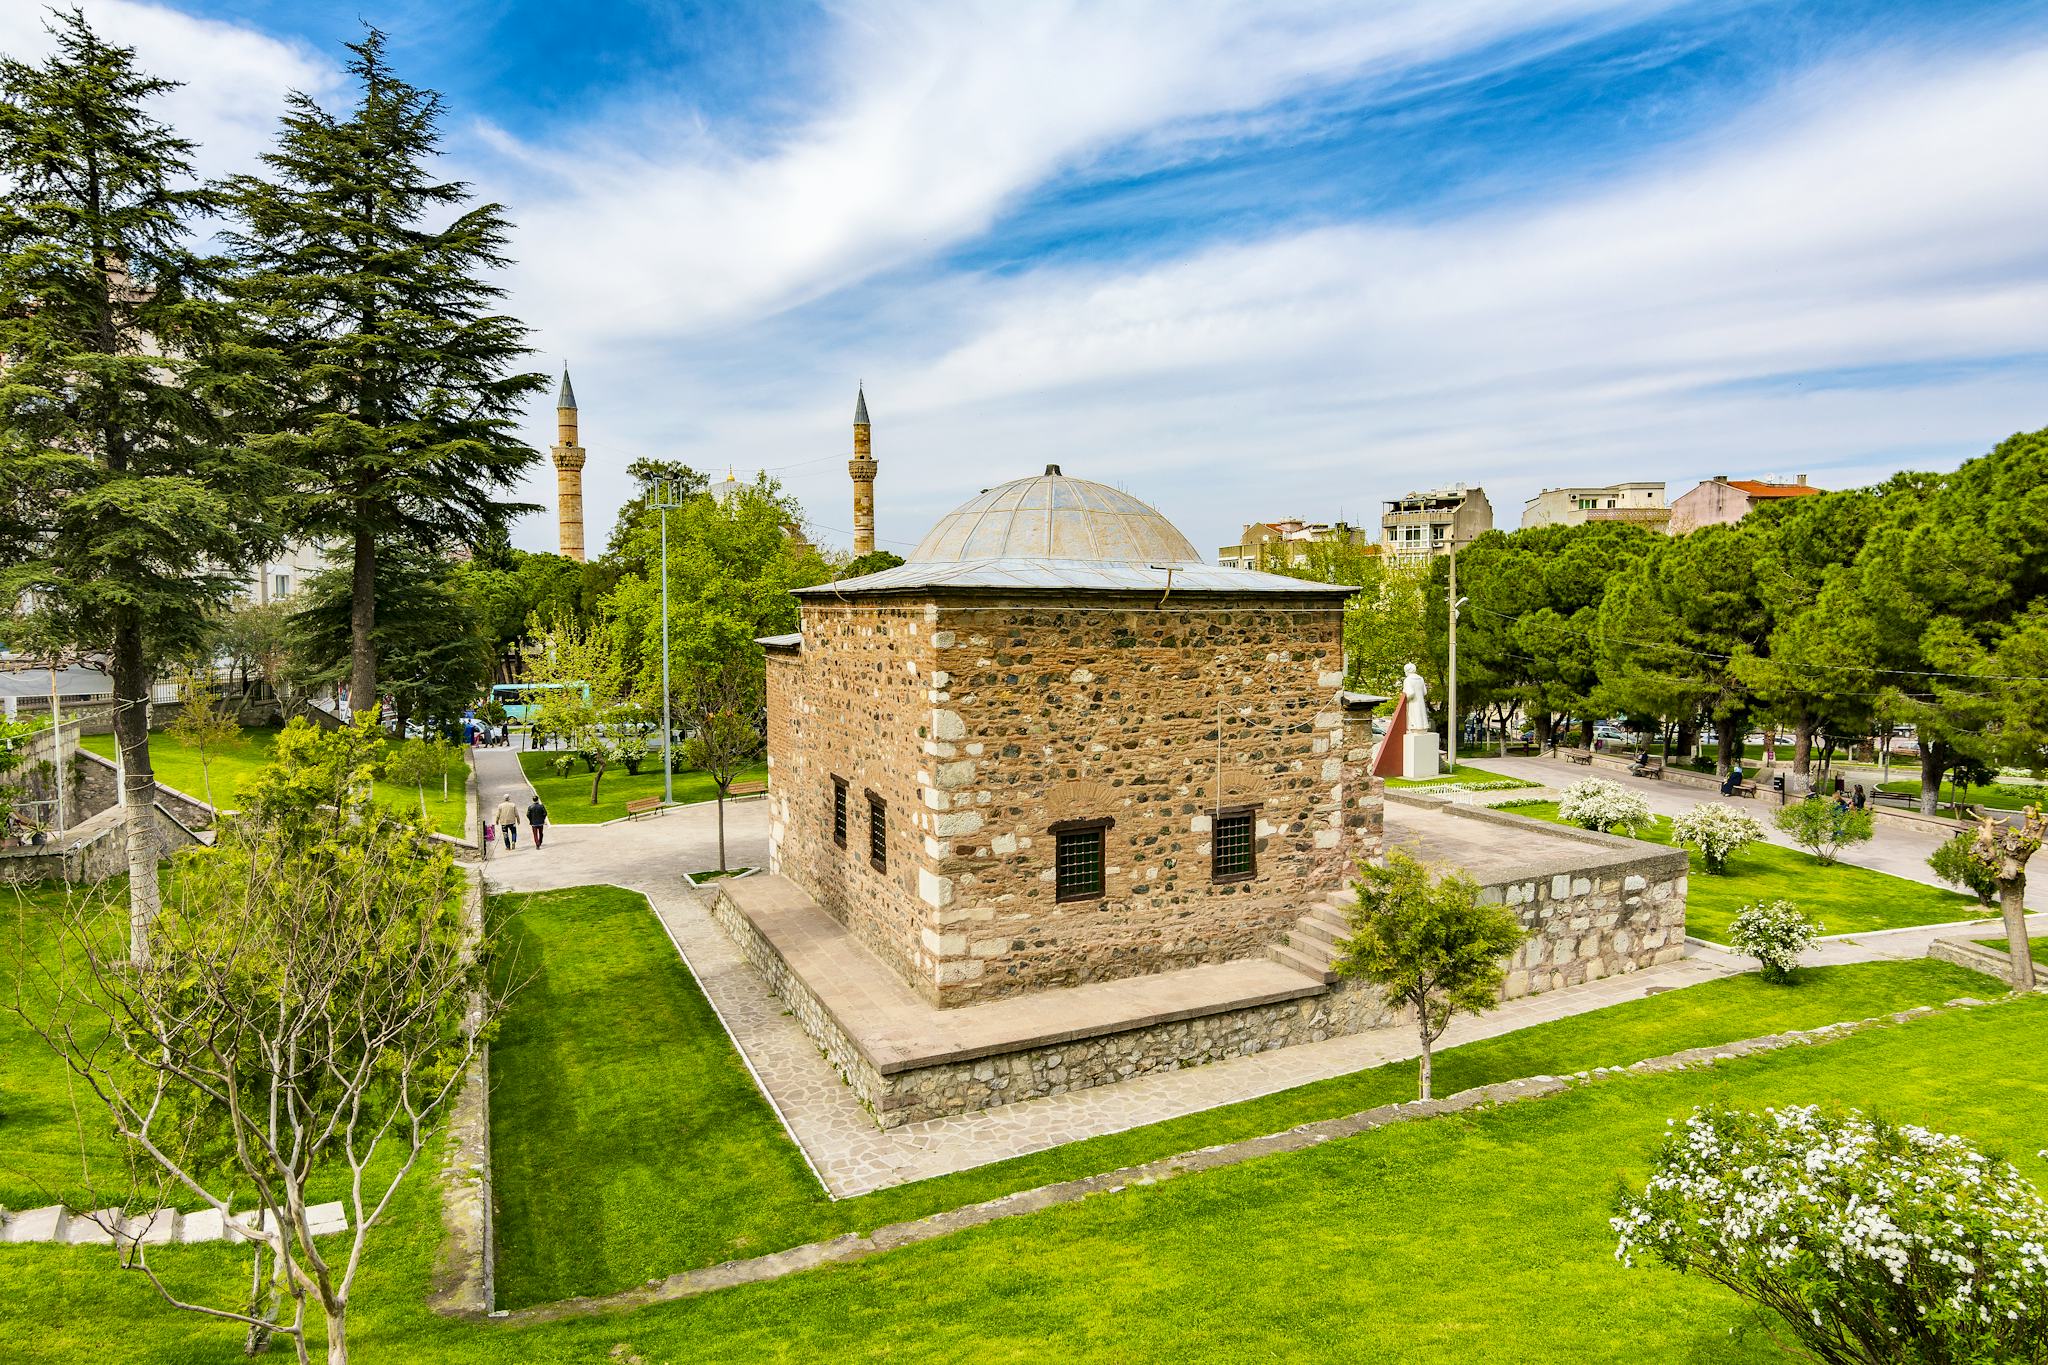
{"x": 1051, "y": 516}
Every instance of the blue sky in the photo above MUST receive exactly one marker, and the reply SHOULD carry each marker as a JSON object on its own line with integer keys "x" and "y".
{"x": 1248, "y": 261}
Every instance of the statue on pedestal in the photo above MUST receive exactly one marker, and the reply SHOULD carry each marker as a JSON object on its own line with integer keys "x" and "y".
{"x": 1417, "y": 693}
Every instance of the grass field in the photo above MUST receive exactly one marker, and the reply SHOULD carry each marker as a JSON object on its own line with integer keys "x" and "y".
{"x": 1481, "y": 1238}
{"x": 568, "y": 798}
{"x": 1464, "y": 772}
{"x": 633, "y": 1144}
{"x": 234, "y": 763}
{"x": 1846, "y": 899}
{"x": 2001, "y": 796}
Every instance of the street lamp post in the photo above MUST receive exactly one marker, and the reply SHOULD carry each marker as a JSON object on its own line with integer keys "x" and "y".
{"x": 665, "y": 495}
{"x": 1452, "y": 725}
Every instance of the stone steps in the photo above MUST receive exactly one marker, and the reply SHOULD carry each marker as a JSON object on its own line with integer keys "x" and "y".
{"x": 55, "y": 1223}
{"x": 1308, "y": 962}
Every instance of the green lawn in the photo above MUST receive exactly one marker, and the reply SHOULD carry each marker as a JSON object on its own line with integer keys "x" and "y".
{"x": 232, "y": 764}
{"x": 568, "y": 798}
{"x": 2039, "y": 947}
{"x": 1846, "y": 899}
{"x": 631, "y": 1143}
{"x": 1464, "y": 772}
{"x": 1481, "y": 1238}
{"x": 2002, "y": 796}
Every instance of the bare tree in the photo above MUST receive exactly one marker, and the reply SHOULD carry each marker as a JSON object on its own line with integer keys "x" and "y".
{"x": 2003, "y": 850}
{"x": 316, "y": 988}
{"x": 723, "y": 707}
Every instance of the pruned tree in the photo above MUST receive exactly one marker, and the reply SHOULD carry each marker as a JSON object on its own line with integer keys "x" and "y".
{"x": 2003, "y": 850}
{"x": 416, "y": 762}
{"x": 723, "y": 704}
{"x": 1429, "y": 943}
{"x": 318, "y": 989}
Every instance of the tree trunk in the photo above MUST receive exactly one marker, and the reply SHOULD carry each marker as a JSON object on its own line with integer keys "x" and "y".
{"x": 1728, "y": 744}
{"x": 1424, "y": 1031}
{"x": 1585, "y": 734}
{"x": 1931, "y": 765}
{"x": 138, "y": 782}
{"x": 2012, "y": 902}
{"x": 721, "y": 829}
{"x": 1683, "y": 740}
{"x": 1543, "y": 731}
{"x": 362, "y": 621}
{"x": 1802, "y": 747}
{"x": 337, "y": 1334}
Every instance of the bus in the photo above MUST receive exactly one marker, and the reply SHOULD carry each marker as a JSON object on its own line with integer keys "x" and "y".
{"x": 519, "y": 699}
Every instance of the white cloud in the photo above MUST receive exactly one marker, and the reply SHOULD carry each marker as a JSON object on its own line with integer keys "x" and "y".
{"x": 930, "y": 120}
{"x": 235, "y": 78}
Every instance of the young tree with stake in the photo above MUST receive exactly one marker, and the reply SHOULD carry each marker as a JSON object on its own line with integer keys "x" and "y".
{"x": 1428, "y": 943}
{"x": 723, "y": 703}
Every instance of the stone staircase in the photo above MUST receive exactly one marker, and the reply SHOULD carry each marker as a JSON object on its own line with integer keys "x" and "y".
{"x": 104, "y": 1227}
{"x": 1311, "y": 946}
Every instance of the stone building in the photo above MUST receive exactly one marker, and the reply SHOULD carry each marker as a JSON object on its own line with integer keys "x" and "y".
{"x": 1054, "y": 747}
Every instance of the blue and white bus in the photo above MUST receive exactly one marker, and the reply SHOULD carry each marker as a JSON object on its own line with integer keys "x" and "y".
{"x": 519, "y": 699}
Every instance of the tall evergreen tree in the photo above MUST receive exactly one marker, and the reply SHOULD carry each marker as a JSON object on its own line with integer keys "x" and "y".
{"x": 404, "y": 397}
{"x": 127, "y": 505}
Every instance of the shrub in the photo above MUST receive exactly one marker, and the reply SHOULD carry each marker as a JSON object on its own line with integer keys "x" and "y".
{"x": 563, "y": 764}
{"x": 1957, "y": 863}
{"x": 1775, "y": 934}
{"x": 1873, "y": 1241}
{"x": 1717, "y": 831}
{"x": 1602, "y": 805}
{"x": 1823, "y": 828}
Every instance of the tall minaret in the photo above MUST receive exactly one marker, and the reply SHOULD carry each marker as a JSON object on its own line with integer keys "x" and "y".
{"x": 568, "y": 472}
{"x": 862, "y": 468}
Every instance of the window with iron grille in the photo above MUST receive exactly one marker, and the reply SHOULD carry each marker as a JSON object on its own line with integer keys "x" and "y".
{"x": 1233, "y": 850}
{"x": 1078, "y": 859}
{"x": 878, "y": 832}
{"x": 839, "y": 811}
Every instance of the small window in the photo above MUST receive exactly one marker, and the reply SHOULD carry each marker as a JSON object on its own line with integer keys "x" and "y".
{"x": 1078, "y": 860}
{"x": 839, "y": 811}
{"x": 1233, "y": 855}
{"x": 878, "y": 832}
{"x": 284, "y": 586}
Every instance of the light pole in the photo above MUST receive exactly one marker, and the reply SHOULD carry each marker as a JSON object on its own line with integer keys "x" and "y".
{"x": 1453, "y": 601}
{"x": 665, "y": 503}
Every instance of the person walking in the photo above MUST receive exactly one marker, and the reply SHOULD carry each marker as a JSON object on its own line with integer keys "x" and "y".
{"x": 537, "y": 820}
{"x": 507, "y": 818}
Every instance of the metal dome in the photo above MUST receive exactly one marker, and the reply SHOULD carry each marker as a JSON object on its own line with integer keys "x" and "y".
{"x": 1051, "y": 516}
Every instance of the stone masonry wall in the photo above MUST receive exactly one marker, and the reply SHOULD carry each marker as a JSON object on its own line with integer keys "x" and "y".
{"x": 1152, "y": 717}
{"x": 851, "y": 706}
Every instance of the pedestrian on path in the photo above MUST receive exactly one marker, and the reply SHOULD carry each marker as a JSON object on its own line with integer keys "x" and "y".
{"x": 537, "y": 820}
{"x": 507, "y": 818}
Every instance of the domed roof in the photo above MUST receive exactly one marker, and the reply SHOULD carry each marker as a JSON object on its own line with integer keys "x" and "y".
{"x": 1051, "y": 516}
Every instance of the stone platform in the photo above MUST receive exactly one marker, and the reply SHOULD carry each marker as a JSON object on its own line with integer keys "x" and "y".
{"x": 1595, "y": 906}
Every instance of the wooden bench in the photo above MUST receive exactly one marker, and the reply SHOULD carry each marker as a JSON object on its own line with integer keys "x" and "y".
{"x": 1901, "y": 799}
{"x": 1646, "y": 766}
{"x": 1584, "y": 756}
{"x": 642, "y": 805}
{"x": 1519, "y": 748}
{"x": 1745, "y": 789}
{"x": 748, "y": 789}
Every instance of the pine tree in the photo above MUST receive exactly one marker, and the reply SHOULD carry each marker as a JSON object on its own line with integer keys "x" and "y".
{"x": 402, "y": 401}
{"x": 128, "y": 507}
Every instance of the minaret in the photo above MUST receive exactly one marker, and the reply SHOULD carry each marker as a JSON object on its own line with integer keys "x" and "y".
{"x": 862, "y": 468}
{"x": 568, "y": 472}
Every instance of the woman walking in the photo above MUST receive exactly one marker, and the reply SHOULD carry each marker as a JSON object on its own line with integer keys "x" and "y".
{"x": 507, "y": 818}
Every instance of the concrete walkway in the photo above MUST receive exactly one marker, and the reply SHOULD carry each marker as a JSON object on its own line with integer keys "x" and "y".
{"x": 105, "y": 1227}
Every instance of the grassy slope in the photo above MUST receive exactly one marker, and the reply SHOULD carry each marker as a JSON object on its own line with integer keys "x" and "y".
{"x": 1846, "y": 899}
{"x": 1481, "y": 1238}
{"x": 1464, "y": 772}
{"x": 239, "y": 760}
{"x": 631, "y": 1144}
{"x": 568, "y": 798}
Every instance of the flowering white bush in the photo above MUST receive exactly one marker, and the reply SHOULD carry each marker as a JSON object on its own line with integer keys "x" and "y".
{"x": 1874, "y": 1241}
{"x": 1775, "y": 934}
{"x": 1717, "y": 831}
{"x": 1599, "y": 804}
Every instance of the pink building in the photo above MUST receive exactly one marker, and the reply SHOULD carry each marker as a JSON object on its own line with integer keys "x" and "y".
{"x": 1722, "y": 501}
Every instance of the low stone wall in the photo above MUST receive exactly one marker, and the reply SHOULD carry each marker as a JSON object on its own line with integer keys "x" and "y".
{"x": 90, "y": 853}
{"x": 97, "y": 782}
{"x": 1963, "y": 952}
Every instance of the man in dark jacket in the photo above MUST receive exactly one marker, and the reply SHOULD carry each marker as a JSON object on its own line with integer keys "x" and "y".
{"x": 537, "y": 820}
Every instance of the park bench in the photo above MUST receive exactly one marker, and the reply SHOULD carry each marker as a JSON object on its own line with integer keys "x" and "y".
{"x": 1584, "y": 756}
{"x": 642, "y": 805}
{"x": 1900, "y": 799}
{"x": 1522, "y": 748}
{"x": 1645, "y": 766}
{"x": 756, "y": 788}
{"x": 1745, "y": 789}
